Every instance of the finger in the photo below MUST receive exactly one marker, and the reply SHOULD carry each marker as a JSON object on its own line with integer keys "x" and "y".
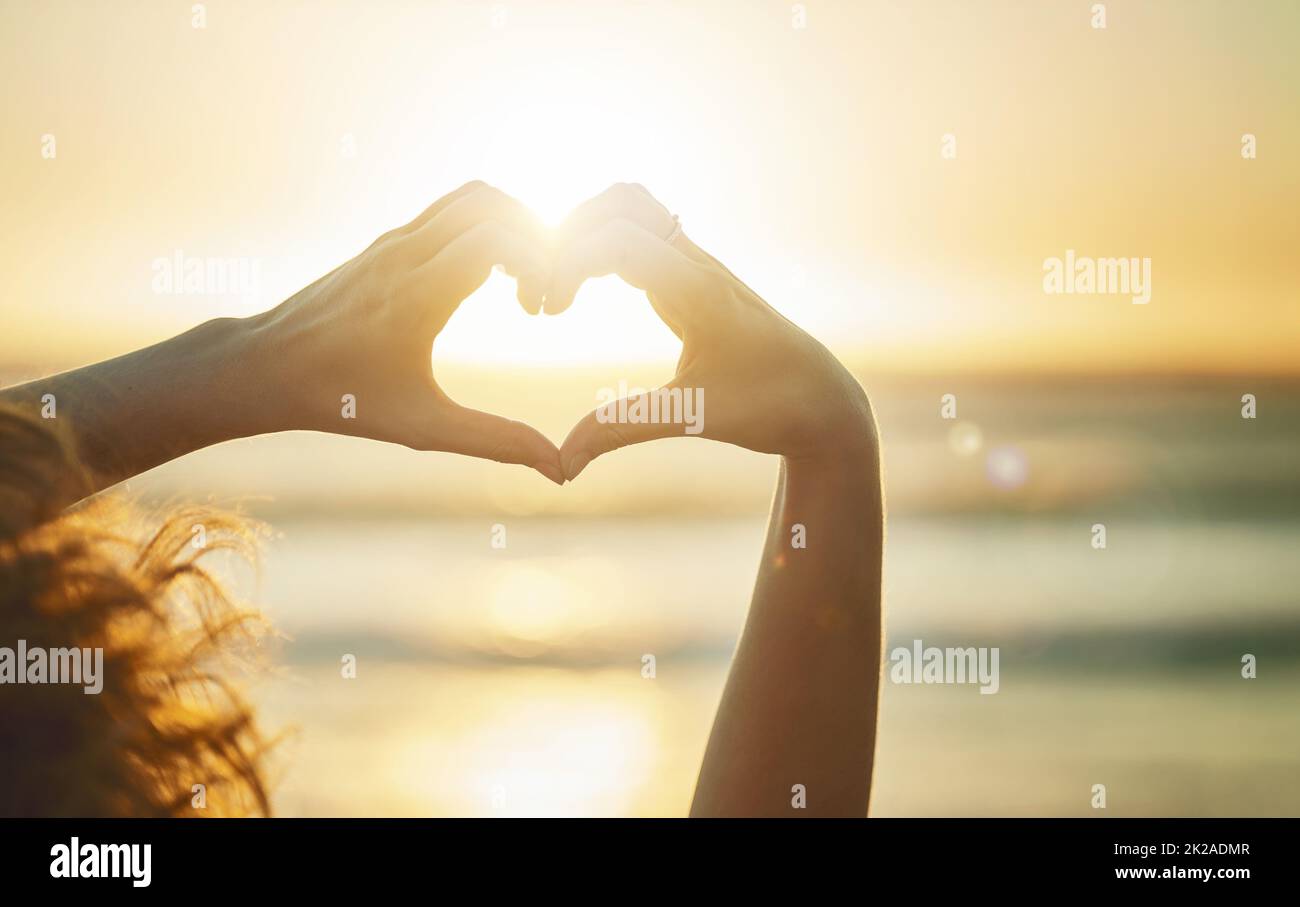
{"x": 621, "y": 200}
{"x": 639, "y": 257}
{"x": 632, "y": 420}
{"x": 432, "y": 211}
{"x": 491, "y": 437}
{"x": 393, "y": 237}
{"x": 629, "y": 201}
{"x": 464, "y": 264}
{"x": 634, "y": 201}
{"x": 423, "y": 217}
{"x": 530, "y": 289}
{"x": 484, "y": 203}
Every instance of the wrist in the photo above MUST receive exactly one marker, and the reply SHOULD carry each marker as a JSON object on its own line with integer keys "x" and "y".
{"x": 280, "y": 355}
{"x": 243, "y": 390}
{"x": 842, "y": 433}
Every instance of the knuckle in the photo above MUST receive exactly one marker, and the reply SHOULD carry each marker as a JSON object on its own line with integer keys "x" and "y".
{"x": 495, "y": 203}
{"x": 385, "y": 239}
{"x": 647, "y": 198}
{"x": 628, "y": 194}
{"x": 487, "y": 194}
{"x": 384, "y": 255}
{"x": 617, "y": 197}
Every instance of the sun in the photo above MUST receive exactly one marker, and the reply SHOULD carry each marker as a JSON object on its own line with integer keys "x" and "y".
{"x": 552, "y": 156}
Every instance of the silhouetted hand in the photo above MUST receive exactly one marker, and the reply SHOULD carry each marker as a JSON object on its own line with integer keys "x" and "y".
{"x": 767, "y": 385}
{"x": 362, "y": 335}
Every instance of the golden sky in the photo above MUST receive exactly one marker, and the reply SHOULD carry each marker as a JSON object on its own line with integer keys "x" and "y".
{"x": 808, "y": 159}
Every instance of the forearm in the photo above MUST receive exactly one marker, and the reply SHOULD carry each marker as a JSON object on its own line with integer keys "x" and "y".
{"x": 799, "y": 706}
{"x": 129, "y": 414}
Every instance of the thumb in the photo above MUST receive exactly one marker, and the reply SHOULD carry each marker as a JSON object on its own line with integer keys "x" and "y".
{"x": 492, "y": 437}
{"x": 661, "y": 413}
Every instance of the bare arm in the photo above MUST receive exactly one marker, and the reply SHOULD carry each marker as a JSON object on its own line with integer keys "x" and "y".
{"x": 799, "y": 707}
{"x": 129, "y": 414}
{"x": 363, "y": 332}
{"x": 800, "y": 703}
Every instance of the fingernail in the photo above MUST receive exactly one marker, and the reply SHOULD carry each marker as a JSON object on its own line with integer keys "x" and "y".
{"x": 549, "y": 470}
{"x": 577, "y": 463}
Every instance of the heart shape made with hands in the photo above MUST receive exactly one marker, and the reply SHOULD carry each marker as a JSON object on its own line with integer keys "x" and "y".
{"x": 609, "y": 234}
{"x": 772, "y": 388}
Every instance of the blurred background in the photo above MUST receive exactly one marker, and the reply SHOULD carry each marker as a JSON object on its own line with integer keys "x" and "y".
{"x": 890, "y": 176}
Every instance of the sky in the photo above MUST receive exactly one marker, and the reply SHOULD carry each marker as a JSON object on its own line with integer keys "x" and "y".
{"x": 892, "y": 177}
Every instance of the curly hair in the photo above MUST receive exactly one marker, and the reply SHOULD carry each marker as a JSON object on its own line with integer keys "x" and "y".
{"x": 169, "y": 716}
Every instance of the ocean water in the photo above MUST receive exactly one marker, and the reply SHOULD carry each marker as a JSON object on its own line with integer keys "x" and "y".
{"x": 507, "y": 681}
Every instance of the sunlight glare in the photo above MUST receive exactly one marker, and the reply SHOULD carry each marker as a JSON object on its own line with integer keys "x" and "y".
{"x": 553, "y": 156}
{"x": 561, "y": 758}
{"x": 532, "y": 608}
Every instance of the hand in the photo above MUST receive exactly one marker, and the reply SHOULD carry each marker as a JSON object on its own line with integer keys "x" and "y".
{"x": 367, "y": 329}
{"x": 768, "y": 386}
